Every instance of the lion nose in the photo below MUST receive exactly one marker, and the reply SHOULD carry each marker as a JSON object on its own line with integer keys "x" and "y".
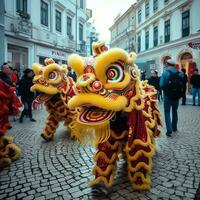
{"x": 97, "y": 86}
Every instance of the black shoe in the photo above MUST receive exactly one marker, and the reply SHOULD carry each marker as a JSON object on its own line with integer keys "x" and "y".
{"x": 169, "y": 134}
{"x": 193, "y": 104}
{"x": 32, "y": 120}
{"x": 183, "y": 104}
{"x": 99, "y": 190}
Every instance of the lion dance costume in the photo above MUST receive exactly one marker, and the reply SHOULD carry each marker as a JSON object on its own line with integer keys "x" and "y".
{"x": 117, "y": 113}
{"x": 55, "y": 89}
{"x": 9, "y": 104}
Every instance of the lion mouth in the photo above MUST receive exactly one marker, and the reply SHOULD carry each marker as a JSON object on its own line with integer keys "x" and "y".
{"x": 94, "y": 115}
{"x": 42, "y": 98}
{"x": 115, "y": 103}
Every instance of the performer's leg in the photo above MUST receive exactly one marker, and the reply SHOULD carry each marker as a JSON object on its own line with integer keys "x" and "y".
{"x": 106, "y": 157}
{"x": 50, "y": 127}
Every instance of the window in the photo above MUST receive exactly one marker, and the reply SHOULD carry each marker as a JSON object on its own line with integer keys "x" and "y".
{"x": 166, "y": 1}
{"x": 155, "y": 5}
{"x": 81, "y": 32}
{"x": 69, "y": 26}
{"x": 186, "y": 23}
{"x": 139, "y": 43}
{"x": 139, "y": 16}
{"x": 58, "y": 21}
{"x": 147, "y": 40}
{"x": 81, "y": 4}
{"x": 167, "y": 31}
{"x": 22, "y": 6}
{"x": 44, "y": 13}
{"x": 155, "y": 36}
{"x": 147, "y": 9}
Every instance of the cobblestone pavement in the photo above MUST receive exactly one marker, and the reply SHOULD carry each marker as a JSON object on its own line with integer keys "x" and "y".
{"x": 61, "y": 169}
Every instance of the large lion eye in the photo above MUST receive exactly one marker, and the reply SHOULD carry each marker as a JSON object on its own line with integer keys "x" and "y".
{"x": 53, "y": 75}
{"x": 115, "y": 73}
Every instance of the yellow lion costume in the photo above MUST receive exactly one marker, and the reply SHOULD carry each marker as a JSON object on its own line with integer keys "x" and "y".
{"x": 55, "y": 88}
{"x": 117, "y": 113}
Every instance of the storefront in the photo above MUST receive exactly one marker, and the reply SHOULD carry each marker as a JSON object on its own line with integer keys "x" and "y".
{"x": 59, "y": 56}
{"x": 17, "y": 57}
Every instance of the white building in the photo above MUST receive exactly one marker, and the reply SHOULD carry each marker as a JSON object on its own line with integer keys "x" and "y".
{"x": 123, "y": 30}
{"x": 43, "y": 28}
{"x": 164, "y": 28}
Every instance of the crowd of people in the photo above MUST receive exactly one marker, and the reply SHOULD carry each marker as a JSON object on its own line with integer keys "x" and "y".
{"x": 21, "y": 86}
{"x": 173, "y": 85}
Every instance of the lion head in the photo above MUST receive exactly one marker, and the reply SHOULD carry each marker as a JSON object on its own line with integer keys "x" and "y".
{"x": 50, "y": 80}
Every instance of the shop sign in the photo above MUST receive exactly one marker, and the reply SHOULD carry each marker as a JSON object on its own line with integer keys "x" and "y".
{"x": 194, "y": 45}
{"x": 56, "y": 54}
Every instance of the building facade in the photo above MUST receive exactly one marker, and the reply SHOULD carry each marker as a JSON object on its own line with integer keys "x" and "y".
{"x": 167, "y": 29}
{"x": 123, "y": 30}
{"x": 2, "y": 34}
{"x": 38, "y": 29}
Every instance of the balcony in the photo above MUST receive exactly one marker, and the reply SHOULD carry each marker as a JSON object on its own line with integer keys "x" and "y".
{"x": 22, "y": 26}
{"x": 130, "y": 29}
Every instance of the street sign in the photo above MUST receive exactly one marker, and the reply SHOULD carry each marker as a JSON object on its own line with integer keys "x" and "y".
{"x": 194, "y": 45}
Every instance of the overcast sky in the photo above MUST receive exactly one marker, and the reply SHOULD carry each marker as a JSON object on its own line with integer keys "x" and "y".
{"x": 104, "y": 12}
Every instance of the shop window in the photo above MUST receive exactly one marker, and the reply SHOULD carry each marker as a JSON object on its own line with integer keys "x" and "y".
{"x": 44, "y": 13}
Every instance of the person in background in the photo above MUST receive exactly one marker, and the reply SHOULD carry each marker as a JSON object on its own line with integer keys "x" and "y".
{"x": 170, "y": 102}
{"x": 143, "y": 75}
{"x": 185, "y": 80}
{"x": 195, "y": 82}
{"x": 154, "y": 81}
{"x": 72, "y": 74}
{"x": 5, "y": 74}
{"x": 5, "y": 77}
{"x": 27, "y": 96}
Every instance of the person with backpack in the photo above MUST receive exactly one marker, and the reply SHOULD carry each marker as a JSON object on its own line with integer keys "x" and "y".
{"x": 171, "y": 82}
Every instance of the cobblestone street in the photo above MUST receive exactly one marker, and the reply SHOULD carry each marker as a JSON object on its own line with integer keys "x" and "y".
{"x": 61, "y": 169}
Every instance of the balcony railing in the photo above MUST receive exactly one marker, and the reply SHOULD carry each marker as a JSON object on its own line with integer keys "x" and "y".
{"x": 22, "y": 26}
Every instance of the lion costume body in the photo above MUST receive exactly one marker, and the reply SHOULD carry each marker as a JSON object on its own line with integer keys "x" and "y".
{"x": 9, "y": 104}
{"x": 117, "y": 113}
{"x": 55, "y": 88}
